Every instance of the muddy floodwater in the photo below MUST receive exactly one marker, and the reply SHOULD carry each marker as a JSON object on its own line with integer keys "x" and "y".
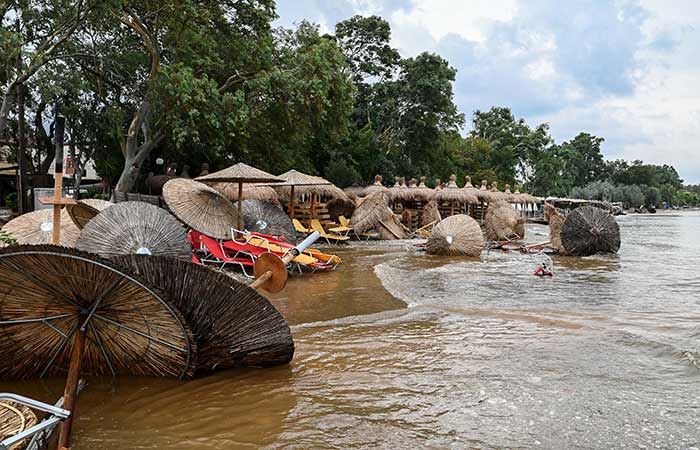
{"x": 400, "y": 350}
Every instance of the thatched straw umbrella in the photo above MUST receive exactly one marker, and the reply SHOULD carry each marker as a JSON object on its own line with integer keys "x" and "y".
{"x": 233, "y": 324}
{"x": 240, "y": 173}
{"x": 135, "y": 228}
{"x": 201, "y": 207}
{"x": 414, "y": 193}
{"x": 484, "y": 194}
{"x": 423, "y": 192}
{"x": 66, "y": 310}
{"x": 458, "y": 235}
{"x": 376, "y": 187}
{"x": 502, "y": 223}
{"x": 397, "y": 183}
{"x": 295, "y": 184}
{"x": 374, "y": 213}
{"x": 588, "y": 230}
{"x": 86, "y": 210}
{"x": 263, "y": 217}
{"x": 37, "y": 228}
{"x": 438, "y": 184}
{"x": 339, "y": 207}
{"x": 431, "y": 213}
{"x": 250, "y": 192}
{"x": 555, "y": 221}
{"x": 454, "y": 196}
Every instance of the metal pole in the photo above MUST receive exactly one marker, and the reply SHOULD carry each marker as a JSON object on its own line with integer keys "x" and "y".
{"x": 71, "y": 391}
{"x": 58, "y": 175}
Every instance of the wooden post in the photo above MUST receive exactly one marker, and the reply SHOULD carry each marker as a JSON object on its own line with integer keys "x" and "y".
{"x": 240, "y": 206}
{"x": 71, "y": 391}
{"x": 59, "y": 128}
{"x": 291, "y": 203}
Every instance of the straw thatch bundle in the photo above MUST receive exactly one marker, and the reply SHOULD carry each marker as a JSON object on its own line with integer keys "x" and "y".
{"x": 135, "y": 228}
{"x": 15, "y": 418}
{"x": 438, "y": 184}
{"x": 431, "y": 214}
{"x": 555, "y": 221}
{"x": 423, "y": 192}
{"x": 374, "y": 213}
{"x": 414, "y": 193}
{"x": 234, "y": 325}
{"x": 397, "y": 182}
{"x": 266, "y": 218}
{"x": 85, "y": 210}
{"x": 458, "y": 235}
{"x": 338, "y": 207}
{"x": 588, "y": 230}
{"x": 201, "y": 207}
{"x": 36, "y": 228}
{"x": 355, "y": 191}
{"x": 133, "y": 330}
{"x": 503, "y": 223}
{"x": 250, "y": 192}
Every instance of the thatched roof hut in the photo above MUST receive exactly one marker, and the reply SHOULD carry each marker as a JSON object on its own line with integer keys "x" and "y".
{"x": 503, "y": 223}
{"x": 431, "y": 214}
{"x": 555, "y": 221}
{"x": 588, "y": 230}
{"x": 250, "y": 192}
{"x": 458, "y": 235}
{"x": 374, "y": 214}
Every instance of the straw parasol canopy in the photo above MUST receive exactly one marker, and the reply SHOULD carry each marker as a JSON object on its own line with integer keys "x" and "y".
{"x": 376, "y": 187}
{"x": 85, "y": 210}
{"x": 263, "y": 217}
{"x": 56, "y": 299}
{"x": 438, "y": 184}
{"x": 201, "y": 207}
{"x": 458, "y": 235}
{"x": 503, "y": 223}
{"x": 431, "y": 214}
{"x": 234, "y": 325}
{"x": 37, "y": 228}
{"x": 135, "y": 228}
{"x": 15, "y": 418}
{"x": 588, "y": 230}
{"x": 423, "y": 192}
{"x": 240, "y": 173}
{"x": 453, "y": 194}
{"x": 374, "y": 213}
{"x": 555, "y": 221}
{"x": 296, "y": 183}
{"x": 413, "y": 193}
{"x": 250, "y": 192}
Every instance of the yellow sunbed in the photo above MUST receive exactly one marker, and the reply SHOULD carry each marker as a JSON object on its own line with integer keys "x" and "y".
{"x": 316, "y": 226}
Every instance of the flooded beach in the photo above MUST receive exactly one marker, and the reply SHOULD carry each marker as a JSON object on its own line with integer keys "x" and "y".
{"x": 398, "y": 349}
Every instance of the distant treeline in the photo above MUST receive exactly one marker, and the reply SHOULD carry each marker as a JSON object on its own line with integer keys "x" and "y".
{"x": 194, "y": 82}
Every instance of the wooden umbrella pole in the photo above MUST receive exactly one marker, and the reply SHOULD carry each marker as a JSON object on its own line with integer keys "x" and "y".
{"x": 240, "y": 206}
{"x": 269, "y": 265}
{"x": 58, "y": 179}
{"x": 291, "y": 203}
{"x": 71, "y": 392}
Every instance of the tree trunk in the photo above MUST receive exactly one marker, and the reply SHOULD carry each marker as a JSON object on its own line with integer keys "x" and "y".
{"x": 8, "y": 100}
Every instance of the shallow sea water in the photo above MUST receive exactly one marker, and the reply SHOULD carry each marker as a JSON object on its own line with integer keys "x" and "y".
{"x": 397, "y": 349}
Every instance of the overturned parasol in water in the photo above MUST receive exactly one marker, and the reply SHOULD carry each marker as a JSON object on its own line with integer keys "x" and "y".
{"x": 502, "y": 223}
{"x": 135, "y": 228}
{"x": 264, "y": 217}
{"x": 457, "y": 235}
{"x": 588, "y": 230}
{"x": 234, "y": 325}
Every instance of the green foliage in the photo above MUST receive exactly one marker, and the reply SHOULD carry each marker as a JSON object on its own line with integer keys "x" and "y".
{"x": 6, "y": 239}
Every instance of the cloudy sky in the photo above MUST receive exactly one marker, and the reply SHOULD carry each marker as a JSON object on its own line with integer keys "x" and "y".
{"x": 626, "y": 70}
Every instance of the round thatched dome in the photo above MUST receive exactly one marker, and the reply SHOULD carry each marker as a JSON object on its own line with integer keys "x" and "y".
{"x": 458, "y": 235}
{"x": 588, "y": 230}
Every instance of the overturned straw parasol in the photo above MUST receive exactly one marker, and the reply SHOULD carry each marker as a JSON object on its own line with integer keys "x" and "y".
{"x": 37, "y": 228}
{"x": 240, "y": 173}
{"x": 588, "y": 230}
{"x": 85, "y": 210}
{"x": 263, "y": 217}
{"x": 135, "y": 228}
{"x": 250, "y": 192}
{"x": 201, "y": 207}
{"x": 233, "y": 324}
{"x": 458, "y": 235}
{"x": 374, "y": 213}
{"x": 63, "y": 309}
{"x": 502, "y": 223}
